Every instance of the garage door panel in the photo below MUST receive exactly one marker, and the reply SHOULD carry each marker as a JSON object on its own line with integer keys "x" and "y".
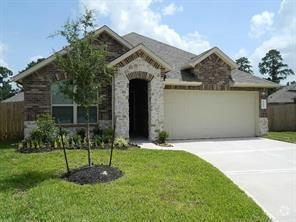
{"x": 191, "y": 114}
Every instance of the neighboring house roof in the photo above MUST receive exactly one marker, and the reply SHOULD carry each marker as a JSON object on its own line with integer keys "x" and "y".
{"x": 286, "y": 94}
{"x": 174, "y": 60}
{"x": 16, "y": 98}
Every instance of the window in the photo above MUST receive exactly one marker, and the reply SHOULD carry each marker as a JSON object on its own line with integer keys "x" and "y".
{"x": 66, "y": 111}
{"x": 81, "y": 117}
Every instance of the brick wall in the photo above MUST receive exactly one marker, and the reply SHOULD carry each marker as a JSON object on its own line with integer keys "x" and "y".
{"x": 213, "y": 72}
{"x": 37, "y": 86}
{"x": 37, "y": 97}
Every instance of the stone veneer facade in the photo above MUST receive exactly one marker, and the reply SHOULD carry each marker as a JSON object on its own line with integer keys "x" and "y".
{"x": 139, "y": 68}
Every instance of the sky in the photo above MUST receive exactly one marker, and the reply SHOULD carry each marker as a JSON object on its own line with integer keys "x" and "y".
{"x": 238, "y": 27}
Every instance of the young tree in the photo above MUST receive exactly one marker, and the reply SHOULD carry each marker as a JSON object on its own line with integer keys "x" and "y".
{"x": 244, "y": 65}
{"x": 273, "y": 66}
{"x": 84, "y": 63}
{"x": 6, "y": 89}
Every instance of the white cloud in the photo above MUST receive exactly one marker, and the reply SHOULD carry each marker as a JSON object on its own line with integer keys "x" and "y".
{"x": 171, "y": 9}
{"x": 139, "y": 17}
{"x": 283, "y": 37}
{"x": 241, "y": 53}
{"x": 35, "y": 58}
{"x": 2, "y": 49}
{"x": 261, "y": 23}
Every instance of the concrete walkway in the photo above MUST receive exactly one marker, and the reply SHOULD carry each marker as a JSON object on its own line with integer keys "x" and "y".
{"x": 265, "y": 169}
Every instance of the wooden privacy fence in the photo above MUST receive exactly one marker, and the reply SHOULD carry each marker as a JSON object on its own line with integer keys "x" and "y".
{"x": 11, "y": 120}
{"x": 282, "y": 117}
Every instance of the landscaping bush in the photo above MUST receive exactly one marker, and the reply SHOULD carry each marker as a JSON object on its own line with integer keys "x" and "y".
{"x": 107, "y": 135}
{"x": 47, "y": 136}
{"x": 97, "y": 131}
{"x": 120, "y": 143}
{"x": 47, "y": 128}
{"x": 98, "y": 141}
{"x": 162, "y": 137}
{"x": 81, "y": 132}
{"x": 42, "y": 138}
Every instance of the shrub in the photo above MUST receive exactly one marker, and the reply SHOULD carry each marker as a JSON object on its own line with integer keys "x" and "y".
{"x": 98, "y": 141}
{"x": 81, "y": 133}
{"x": 77, "y": 140}
{"x": 97, "y": 131}
{"x": 162, "y": 137}
{"x": 47, "y": 127}
{"x": 45, "y": 133}
{"x": 36, "y": 134}
{"x": 107, "y": 135}
{"x": 120, "y": 143}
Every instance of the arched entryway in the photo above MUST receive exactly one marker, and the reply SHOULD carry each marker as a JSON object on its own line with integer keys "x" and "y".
{"x": 138, "y": 108}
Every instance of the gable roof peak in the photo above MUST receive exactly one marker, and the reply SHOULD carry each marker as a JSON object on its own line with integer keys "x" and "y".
{"x": 51, "y": 58}
{"x": 142, "y": 47}
{"x": 107, "y": 29}
{"x": 215, "y": 50}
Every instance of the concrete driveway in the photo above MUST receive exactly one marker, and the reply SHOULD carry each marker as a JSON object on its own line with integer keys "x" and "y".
{"x": 265, "y": 169}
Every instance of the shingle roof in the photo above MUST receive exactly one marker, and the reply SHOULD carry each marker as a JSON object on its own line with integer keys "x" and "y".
{"x": 239, "y": 76}
{"x": 16, "y": 98}
{"x": 172, "y": 55}
{"x": 177, "y": 58}
{"x": 286, "y": 94}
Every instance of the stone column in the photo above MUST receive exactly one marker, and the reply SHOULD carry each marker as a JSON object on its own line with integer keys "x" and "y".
{"x": 155, "y": 106}
{"x": 121, "y": 106}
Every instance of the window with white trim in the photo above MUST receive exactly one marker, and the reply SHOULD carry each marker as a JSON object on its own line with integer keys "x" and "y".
{"x": 66, "y": 111}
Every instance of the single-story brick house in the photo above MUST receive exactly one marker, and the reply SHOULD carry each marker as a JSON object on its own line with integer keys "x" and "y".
{"x": 156, "y": 87}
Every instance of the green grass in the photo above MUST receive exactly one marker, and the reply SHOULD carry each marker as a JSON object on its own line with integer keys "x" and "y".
{"x": 156, "y": 186}
{"x": 282, "y": 136}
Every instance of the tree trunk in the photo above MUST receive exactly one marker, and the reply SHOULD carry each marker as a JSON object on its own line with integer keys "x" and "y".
{"x": 65, "y": 153}
{"x": 112, "y": 144}
{"x": 88, "y": 138}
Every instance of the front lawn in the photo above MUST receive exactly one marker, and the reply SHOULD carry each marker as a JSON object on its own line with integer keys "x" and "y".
{"x": 156, "y": 186}
{"x": 288, "y": 136}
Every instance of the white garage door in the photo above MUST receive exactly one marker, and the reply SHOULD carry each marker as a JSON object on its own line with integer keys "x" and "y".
{"x": 192, "y": 114}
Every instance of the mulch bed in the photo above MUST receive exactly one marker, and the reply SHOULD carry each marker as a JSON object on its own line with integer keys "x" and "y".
{"x": 93, "y": 174}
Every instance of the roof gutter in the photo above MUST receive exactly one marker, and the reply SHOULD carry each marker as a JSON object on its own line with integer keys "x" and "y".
{"x": 177, "y": 82}
{"x": 256, "y": 85}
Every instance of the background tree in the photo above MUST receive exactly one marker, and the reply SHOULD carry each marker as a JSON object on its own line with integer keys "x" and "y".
{"x": 6, "y": 89}
{"x": 84, "y": 62}
{"x": 32, "y": 63}
{"x": 291, "y": 83}
{"x": 244, "y": 65}
{"x": 273, "y": 66}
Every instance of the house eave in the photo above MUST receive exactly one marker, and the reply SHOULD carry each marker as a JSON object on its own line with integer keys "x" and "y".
{"x": 255, "y": 85}
{"x": 50, "y": 59}
{"x": 165, "y": 65}
{"x": 218, "y": 52}
{"x": 177, "y": 82}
